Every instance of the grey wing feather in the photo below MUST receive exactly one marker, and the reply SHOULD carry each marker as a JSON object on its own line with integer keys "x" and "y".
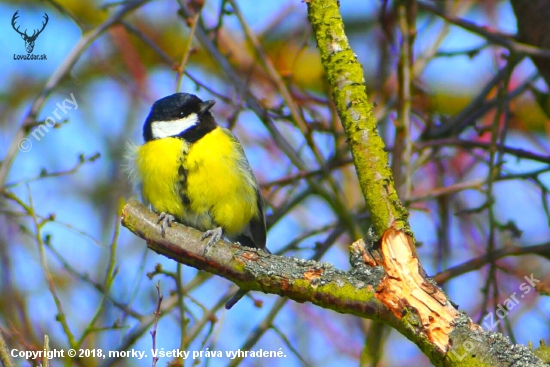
{"x": 254, "y": 234}
{"x": 256, "y": 229}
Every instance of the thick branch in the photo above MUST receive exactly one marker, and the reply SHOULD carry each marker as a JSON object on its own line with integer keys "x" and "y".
{"x": 251, "y": 269}
{"x": 425, "y": 315}
{"x": 386, "y": 284}
{"x": 345, "y": 75}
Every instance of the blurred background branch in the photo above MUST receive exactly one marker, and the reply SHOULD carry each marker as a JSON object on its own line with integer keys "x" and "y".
{"x": 465, "y": 80}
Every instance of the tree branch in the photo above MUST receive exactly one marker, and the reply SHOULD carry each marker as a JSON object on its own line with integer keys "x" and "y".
{"x": 345, "y": 75}
{"x": 55, "y": 79}
{"x": 470, "y": 144}
{"x": 385, "y": 284}
{"x": 386, "y": 281}
{"x": 490, "y": 35}
{"x": 478, "y": 262}
{"x": 425, "y": 314}
{"x": 251, "y": 269}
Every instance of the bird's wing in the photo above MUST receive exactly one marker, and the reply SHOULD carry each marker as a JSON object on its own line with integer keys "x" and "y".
{"x": 257, "y": 226}
{"x": 254, "y": 234}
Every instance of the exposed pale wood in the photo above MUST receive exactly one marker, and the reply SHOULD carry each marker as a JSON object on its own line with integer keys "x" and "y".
{"x": 405, "y": 289}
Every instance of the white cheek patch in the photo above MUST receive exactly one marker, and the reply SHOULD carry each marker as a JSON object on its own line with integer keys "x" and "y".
{"x": 164, "y": 129}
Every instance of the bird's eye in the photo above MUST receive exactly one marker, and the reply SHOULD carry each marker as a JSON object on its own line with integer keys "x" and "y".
{"x": 181, "y": 114}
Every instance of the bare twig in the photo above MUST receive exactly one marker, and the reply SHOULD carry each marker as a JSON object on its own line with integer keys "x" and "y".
{"x": 259, "y": 330}
{"x": 468, "y": 144}
{"x": 155, "y": 324}
{"x": 45, "y": 360}
{"x": 47, "y": 273}
{"x": 474, "y": 264}
{"x": 192, "y": 23}
{"x": 56, "y": 78}
{"x": 254, "y": 104}
{"x": 491, "y": 35}
{"x": 5, "y": 356}
{"x": 45, "y": 174}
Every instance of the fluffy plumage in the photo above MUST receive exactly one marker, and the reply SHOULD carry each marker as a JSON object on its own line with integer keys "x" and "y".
{"x": 197, "y": 171}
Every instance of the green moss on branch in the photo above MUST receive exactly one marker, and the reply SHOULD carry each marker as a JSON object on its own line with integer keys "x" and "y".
{"x": 345, "y": 75}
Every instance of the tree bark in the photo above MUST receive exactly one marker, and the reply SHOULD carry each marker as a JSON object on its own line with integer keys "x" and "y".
{"x": 385, "y": 284}
{"x": 386, "y": 281}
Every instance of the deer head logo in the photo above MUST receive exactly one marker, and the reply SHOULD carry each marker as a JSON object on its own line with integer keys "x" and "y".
{"x": 29, "y": 40}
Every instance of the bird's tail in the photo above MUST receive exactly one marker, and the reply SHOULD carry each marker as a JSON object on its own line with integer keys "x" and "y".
{"x": 236, "y": 298}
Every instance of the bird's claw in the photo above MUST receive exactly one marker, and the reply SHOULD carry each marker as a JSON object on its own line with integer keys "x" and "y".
{"x": 165, "y": 220}
{"x": 214, "y": 234}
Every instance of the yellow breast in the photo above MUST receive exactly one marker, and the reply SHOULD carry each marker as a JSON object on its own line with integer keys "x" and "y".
{"x": 157, "y": 164}
{"x": 220, "y": 189}
{"x": 219, "y": 182}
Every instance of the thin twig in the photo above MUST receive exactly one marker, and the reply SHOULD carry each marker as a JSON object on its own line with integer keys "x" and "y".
{"x": 254, "y": 104}
{"x": 181, "y": 307}
{"x": 468, "y": 144}
{"x": 65, "y": 67}
{"x": 155, "y": 324}
{"x": 109, "y": 278}
{"x": 260, "y": 330}
{"x": 49, "y": 279}
{"x": 290, "y": 346}
{"x": 447, "y": 190}
{"x": 491, "y": 35}
{"x": 45, "y": 174}
{"x": 474, "y": 264}
{"x": 5, "y": 356}
{"x": 46, "y": 360}
{"x": 192, "y": 23}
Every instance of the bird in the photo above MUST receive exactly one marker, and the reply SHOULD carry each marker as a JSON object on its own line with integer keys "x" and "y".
{"x": 195, "y": 172}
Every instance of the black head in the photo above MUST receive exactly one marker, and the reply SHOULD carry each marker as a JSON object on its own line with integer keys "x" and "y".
{"x": 181, "y": 115}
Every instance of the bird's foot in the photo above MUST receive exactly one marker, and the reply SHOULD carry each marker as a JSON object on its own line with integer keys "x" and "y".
{"x": 165, "y": 220}
{"x": 214, "y": 234}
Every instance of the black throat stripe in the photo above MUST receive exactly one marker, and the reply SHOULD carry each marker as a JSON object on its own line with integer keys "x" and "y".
{"x": 206, "y": 125}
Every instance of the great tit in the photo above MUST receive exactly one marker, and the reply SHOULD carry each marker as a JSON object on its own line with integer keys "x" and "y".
{"x": 195, "y": 172}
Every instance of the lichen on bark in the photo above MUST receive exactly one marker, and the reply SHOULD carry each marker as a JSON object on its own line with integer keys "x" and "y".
{"x": 422, "y": 311}
{"x": 345, "y": 75}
